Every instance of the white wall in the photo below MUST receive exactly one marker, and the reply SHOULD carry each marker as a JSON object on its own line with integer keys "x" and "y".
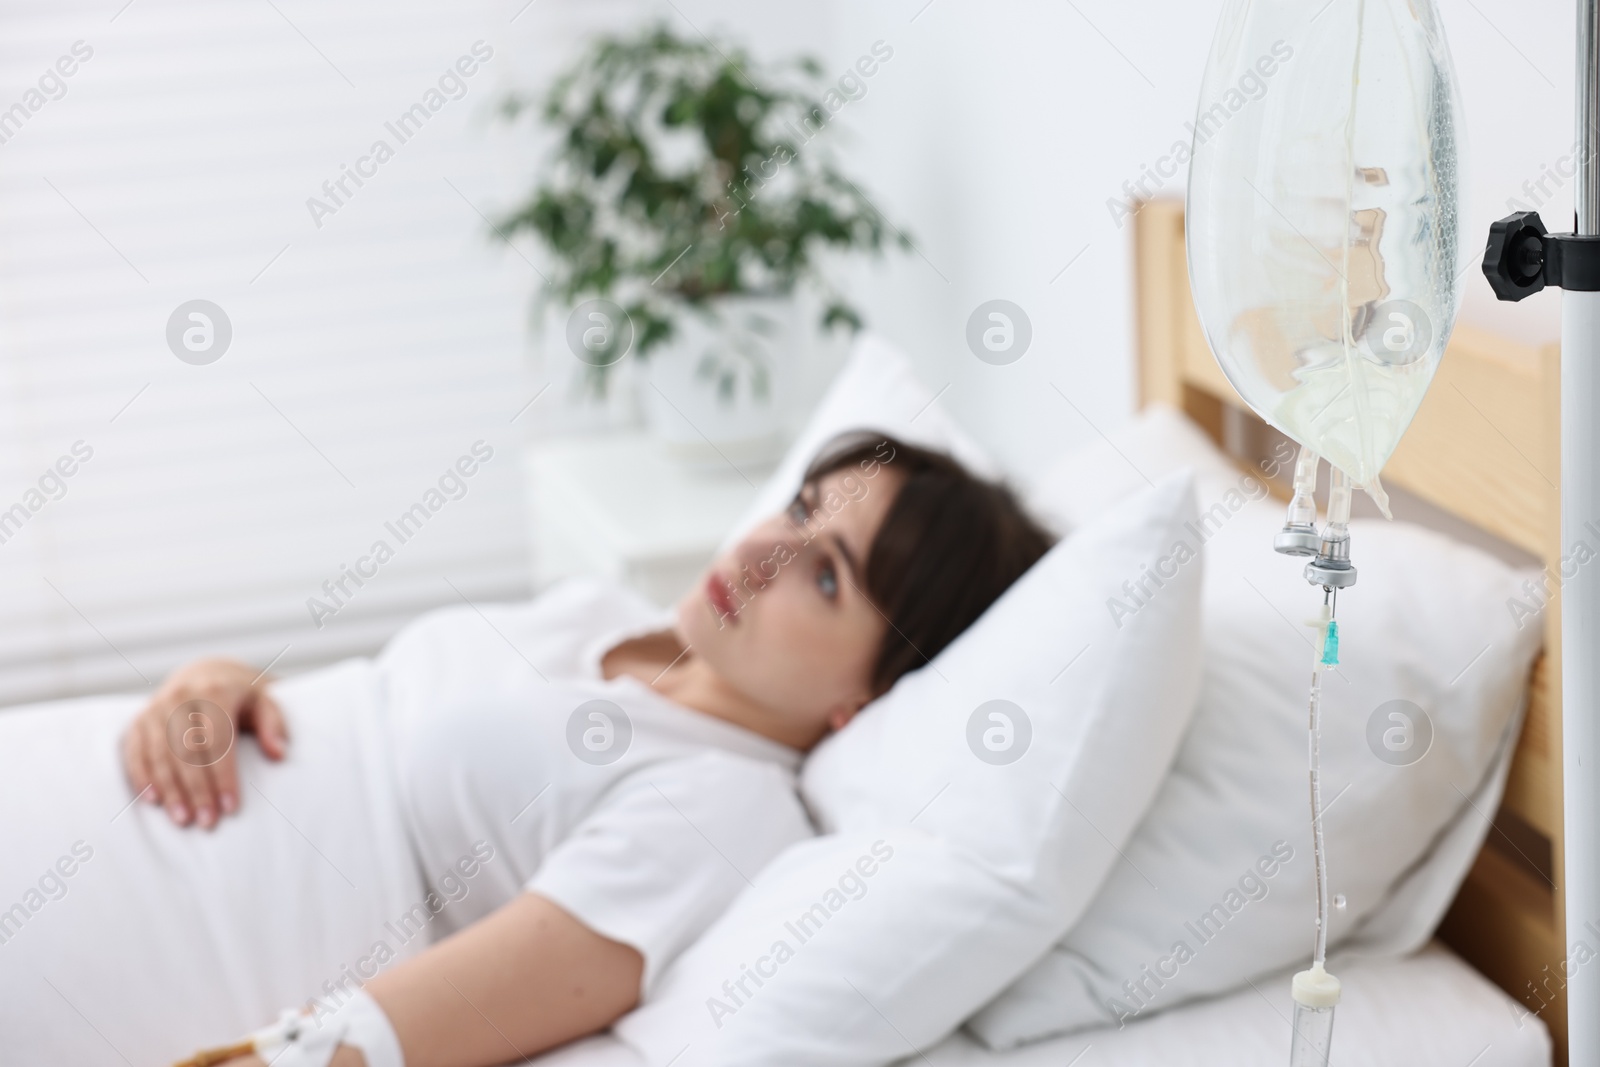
{"x": 998, "y": 130}
{"x": 1515, "y": 61}
{"x": 998, "y": 133}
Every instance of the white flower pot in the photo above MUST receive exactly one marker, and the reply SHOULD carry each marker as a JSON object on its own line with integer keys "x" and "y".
{"x": 688, "y": 405}
{"x": 569, "y": 402}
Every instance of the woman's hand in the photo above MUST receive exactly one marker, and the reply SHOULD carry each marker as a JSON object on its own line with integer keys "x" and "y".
{"x": 179, "y": 751}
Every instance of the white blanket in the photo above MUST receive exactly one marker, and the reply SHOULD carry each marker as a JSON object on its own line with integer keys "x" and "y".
{"x": 165, "y": 940}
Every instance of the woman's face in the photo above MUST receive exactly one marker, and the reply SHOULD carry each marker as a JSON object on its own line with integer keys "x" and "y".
{"x": 783, "y": 616}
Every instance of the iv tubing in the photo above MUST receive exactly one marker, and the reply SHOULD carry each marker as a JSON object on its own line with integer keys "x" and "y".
{"x": 1316, "y": 992}
{"x": 1320, "y": 952}
{"x": 1303, "y": 508}
{"x": 1339, "y": 490}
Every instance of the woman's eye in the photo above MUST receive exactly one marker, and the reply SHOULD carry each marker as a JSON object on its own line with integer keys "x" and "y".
{"x": 828, "y": 581}
{"x": 797, "y": 512}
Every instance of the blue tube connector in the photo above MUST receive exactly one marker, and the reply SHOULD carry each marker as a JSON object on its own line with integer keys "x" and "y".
{"x": 1330, "y": 645}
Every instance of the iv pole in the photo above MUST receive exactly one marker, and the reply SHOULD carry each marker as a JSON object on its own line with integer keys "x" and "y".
{"x": 1521, "y": 259}
{"x": 1580, "y": 600}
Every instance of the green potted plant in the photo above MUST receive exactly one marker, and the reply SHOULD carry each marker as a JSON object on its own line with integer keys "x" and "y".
{"x": 687, "y": 191}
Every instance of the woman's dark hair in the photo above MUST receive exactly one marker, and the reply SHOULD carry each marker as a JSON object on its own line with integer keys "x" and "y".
{"x": 949, "y": 545}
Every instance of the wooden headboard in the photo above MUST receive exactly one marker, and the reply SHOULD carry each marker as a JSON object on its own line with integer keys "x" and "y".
{"x": 1483, "y": 448}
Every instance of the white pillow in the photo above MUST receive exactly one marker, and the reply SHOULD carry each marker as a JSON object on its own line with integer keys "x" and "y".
{"x": 1427, "y": 622}
{"x": 986, "y": 837}
{"x": 1085, "y": 482}
{"x": 876, "y": 389}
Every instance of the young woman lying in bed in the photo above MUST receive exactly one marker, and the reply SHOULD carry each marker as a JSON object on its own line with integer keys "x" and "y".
{"x": 885, "y": 556}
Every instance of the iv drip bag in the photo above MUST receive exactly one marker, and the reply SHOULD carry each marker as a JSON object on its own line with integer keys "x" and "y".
{"x": 1321, "y": 217}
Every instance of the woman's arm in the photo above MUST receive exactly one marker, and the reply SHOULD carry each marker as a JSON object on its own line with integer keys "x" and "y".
{"x": 524, "y": 979}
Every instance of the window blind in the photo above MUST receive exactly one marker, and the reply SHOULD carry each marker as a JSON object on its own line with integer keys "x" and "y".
{"x": 376, "y": 348}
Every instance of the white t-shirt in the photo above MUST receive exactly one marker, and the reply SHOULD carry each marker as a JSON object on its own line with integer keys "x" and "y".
{"x": 639, "y": 816}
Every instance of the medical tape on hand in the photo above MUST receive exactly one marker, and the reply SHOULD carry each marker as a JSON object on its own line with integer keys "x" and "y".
{"x": 300, "y": 1039}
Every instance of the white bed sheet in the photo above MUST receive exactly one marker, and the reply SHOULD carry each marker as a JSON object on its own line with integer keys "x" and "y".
{"x": 1426, "y": 1010}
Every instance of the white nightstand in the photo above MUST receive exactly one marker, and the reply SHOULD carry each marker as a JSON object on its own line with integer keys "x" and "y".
{"x": 612, "y": 505}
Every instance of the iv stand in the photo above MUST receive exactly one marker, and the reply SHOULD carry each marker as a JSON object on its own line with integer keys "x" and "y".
{"x": 1520, "y": 260}
{"x": 1580, "y": 601}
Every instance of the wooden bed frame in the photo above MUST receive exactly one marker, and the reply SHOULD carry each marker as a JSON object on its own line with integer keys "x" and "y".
{"x": 1484, "y": 448}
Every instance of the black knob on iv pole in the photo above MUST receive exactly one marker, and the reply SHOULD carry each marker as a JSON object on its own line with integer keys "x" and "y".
{"x": 1522, "y": 258}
